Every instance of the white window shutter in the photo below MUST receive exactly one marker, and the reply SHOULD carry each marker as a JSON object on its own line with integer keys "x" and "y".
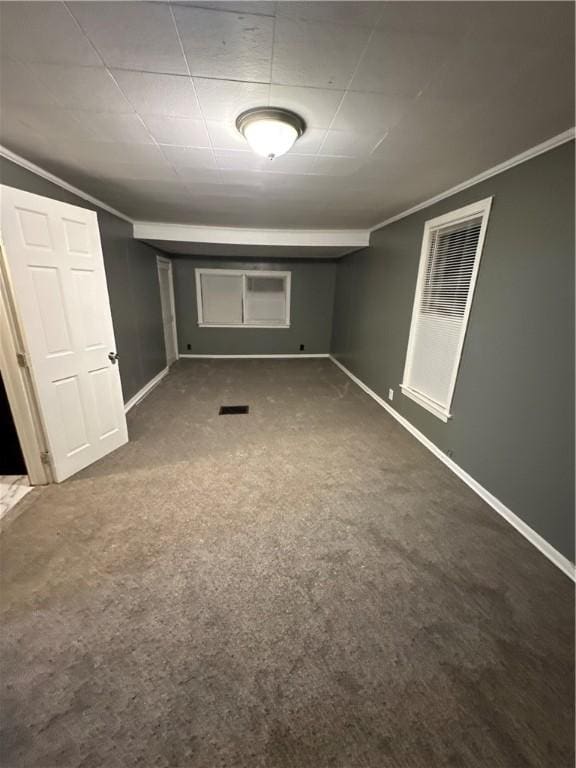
{"x": 449, "y": 262}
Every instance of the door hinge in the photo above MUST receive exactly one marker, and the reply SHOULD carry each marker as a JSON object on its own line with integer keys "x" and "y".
{"x": 45, "y": 457}
{"x": 21, "y": 359}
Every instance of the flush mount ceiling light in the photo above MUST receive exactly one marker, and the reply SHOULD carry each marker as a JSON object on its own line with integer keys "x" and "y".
{"x": 270, "y": 131}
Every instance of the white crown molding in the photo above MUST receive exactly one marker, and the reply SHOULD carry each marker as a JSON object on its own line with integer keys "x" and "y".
{"x": 36, "y": 169}
{"x": 192, "y": 233}
{"x": 539, "y": 149}
{"x": 530, "y": 534}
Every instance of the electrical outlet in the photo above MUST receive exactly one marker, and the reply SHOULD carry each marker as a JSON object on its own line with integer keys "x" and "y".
{"x": 188, "y": 346}
{"x": 301, "y": 347}
{"x": 390, "y": 394}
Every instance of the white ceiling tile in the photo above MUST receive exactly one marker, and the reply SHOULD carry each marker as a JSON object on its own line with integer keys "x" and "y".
{"x": 248, "y": 161}
{"x": 91, "y": 88}
{"x": 352, "y": 13}
{"x": 153, "y": 94}
{"x": 289, "y": 163}
{"x": 241, "y": 6}
{"x": 207, "y": 191}
{"x": 132, "y": 35}
{"x": 311, "y": 54}
{"x": 248, "y": 180}
{"x": 48, "y": 122}
{"x": 239, "y": 161}
{"x": 506, "y": 82}
{"x": 43, "y": 32}
{"x": 205, "y": 176}
{"x": 370, "y": 112}
{"x": 179, "y": 131}
{"x": 401, "y": 64}
{"x": 95, "y": 152}
{"x": 336, "y": 166}
{"x": 535, "y": 25}
{"x": 316, "y": 105}
{"x": 165, "y": 190}
{"x": 111, "y": 126}
{"x": 350, "y": 143}
{"x": 432, "y": 18}
{"x": 158, "y": 171}
{"x": 19, "y": 85}
{"x": 422, "y": 124}
{"x": 189, "y": 157}
{"x": 225, "y": 136}
{"x": 22, "y": 137}
{"x": 309, "y": 185}
{"x": 310, "y": 142}
{"x": 225, "y": 45}
{"x": 226, "y": 99}
{"x": 478, "y": 68}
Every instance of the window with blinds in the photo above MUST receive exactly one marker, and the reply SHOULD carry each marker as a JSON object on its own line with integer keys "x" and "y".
{"x": 243, "y": 298}
{"x": 449, "y": 262}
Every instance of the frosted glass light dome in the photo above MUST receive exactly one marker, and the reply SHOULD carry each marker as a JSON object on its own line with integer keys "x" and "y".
{"x": 270, "y": 131}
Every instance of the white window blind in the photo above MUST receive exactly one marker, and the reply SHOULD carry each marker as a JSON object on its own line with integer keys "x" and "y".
{"x": 221, "y": 296}
{"x": 449, "y": 261}
{"x": 243, "y": 298}
{"x": 265, "y": 300}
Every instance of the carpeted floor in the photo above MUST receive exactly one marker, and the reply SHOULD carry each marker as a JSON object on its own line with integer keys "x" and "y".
{"x": 302, "y": 587}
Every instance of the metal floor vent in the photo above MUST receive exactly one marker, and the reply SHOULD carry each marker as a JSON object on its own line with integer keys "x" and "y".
{"x": 228, "y": 410}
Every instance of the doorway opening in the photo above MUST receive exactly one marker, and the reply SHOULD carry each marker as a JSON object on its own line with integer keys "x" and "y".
{"x": 168, "y": 309}
{"x": 14, "y": 481}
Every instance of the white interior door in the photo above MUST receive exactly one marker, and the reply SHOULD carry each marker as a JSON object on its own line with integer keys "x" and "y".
{"x": 54, "y": 258}
{"x": 168, "y": 310}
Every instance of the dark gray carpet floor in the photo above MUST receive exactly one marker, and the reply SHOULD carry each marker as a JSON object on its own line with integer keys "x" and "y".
{"x": 303, "y": 587}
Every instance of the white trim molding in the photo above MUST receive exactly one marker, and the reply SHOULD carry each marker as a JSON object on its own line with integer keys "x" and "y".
{"x": 38, "y": 171}
{"x": 530, "y": 534}
{"x": 243, "y": 325}
{"x": 252, "y": 357}
{"x": 146, "y": 389}
{"x": 163, "y": 263}
{"x": 539, "y": 149}
{"x": 243, "y": 274}
{"x": 191, "y": 233}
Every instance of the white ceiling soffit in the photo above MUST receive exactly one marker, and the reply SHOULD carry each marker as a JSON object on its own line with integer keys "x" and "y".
{"x": 135, "y": 102}
{"x": 246, "y": 242}
{"x": 249, "y": 252}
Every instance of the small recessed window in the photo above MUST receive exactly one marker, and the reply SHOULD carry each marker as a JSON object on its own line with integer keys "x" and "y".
{"x": 229, "y": 298}
{"x": 449, "y": 263}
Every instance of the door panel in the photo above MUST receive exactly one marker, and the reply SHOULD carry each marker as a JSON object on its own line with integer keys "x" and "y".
{"x": 56, "y": 268}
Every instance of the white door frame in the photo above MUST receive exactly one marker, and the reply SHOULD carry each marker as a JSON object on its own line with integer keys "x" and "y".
{"x": 162, "y": 260}
{"x": 14, "y": 361}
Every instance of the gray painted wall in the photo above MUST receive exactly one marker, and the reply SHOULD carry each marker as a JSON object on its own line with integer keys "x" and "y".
{"x": 312, "y": 301}
{"x": 132, "y": 283}
{"x": 513, "y": 410}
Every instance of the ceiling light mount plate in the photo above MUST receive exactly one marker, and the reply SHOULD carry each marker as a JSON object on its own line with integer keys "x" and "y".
{"x": 270, "y": 131}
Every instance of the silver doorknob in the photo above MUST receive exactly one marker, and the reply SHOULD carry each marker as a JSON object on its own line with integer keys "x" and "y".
{"x": 113, "y": 356}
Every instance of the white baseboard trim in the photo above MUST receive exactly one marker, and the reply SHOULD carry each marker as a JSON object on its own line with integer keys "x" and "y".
{"x": 534, "y": 538}
{"x": 250, "y": 357}
{"x": 146, "y": 389}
